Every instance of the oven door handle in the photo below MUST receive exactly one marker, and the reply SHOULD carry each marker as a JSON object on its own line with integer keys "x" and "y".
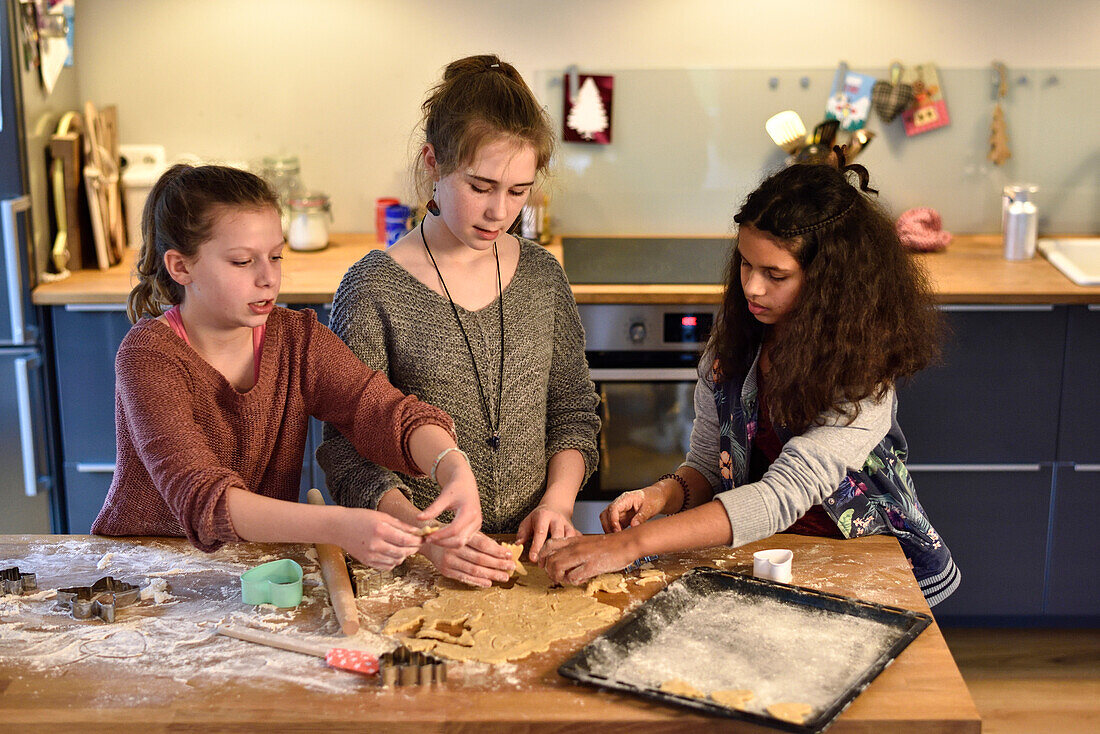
{"x": 645, "y": 374}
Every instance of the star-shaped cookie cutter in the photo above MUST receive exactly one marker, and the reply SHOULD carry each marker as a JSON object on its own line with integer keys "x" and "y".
{"x": 13, "y": 582}
{"x": 101, "y": 599}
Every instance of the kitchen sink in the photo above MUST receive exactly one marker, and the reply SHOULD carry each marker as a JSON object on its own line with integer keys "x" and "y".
{"x": 1078, "y": 259}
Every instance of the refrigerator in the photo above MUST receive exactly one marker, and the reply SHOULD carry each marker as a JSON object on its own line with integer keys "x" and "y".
{"x": 30, "y": 499}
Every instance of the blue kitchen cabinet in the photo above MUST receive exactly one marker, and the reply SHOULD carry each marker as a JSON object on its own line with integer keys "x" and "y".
{"x": 1079, "y": 432}
{"x": 312, "y": 474}
{"x": 995, "y": 523}
{"x": 1074, "y": 580}
{"x": 86, "y": 339}
{"x": 995, "y": 397}
{"x": 1073, "y": 586}
{"x": 86, "y": 486}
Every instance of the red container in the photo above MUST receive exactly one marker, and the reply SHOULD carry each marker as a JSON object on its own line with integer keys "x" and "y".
{"x": 380, "y": 206}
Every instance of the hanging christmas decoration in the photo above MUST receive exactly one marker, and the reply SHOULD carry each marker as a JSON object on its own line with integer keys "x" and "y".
{"x": 587, "y": 108}
{"x": 999, "y": 151}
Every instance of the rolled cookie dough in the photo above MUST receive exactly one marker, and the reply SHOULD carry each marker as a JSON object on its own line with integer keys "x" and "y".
{"x": 732, "y": 698}
{"x": 793, "y": 712}
{"x": 679, "y": 687}
{"x": 495, "y": 625}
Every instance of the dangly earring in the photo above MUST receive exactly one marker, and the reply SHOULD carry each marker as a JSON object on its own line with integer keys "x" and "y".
{"x": 432, "y": 206}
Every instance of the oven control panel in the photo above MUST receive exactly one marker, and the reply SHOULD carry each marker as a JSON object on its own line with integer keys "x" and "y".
{"x": 650, "y": 327}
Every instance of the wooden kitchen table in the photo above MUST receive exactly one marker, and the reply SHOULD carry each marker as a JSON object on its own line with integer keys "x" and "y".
{"x": 160, "y": 667}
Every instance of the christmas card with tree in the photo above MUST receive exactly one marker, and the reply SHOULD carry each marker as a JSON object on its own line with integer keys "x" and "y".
{"x": 587, "y": 108}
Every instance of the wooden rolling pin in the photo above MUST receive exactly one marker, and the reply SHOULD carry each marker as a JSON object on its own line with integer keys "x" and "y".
{"x": 335, "y": 572}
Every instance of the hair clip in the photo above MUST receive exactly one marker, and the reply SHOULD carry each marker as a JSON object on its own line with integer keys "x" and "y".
{"x": 860, "y": 171}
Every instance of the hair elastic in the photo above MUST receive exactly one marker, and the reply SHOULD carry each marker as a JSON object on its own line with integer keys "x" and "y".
{"x": 683, "y": 485}
{"x": 439, "y": 458}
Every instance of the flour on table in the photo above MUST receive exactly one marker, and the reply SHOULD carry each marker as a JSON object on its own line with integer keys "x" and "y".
{"x": 157, "y": 590}
{"x": 172, "y": 638}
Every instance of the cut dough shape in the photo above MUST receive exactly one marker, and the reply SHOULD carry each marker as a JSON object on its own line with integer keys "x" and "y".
{"x": 516, "y": 549}
{"x": 679, "y": 687}
{"x": 405, "y": 621}
{"x": 732, "y": 698}
{"x": 426, "y": 530}
{"x": 495, "y": 625}
{"x": 650, "y": 576}
{"x": 612, "y": 583}
{"x": 793, "y": 712}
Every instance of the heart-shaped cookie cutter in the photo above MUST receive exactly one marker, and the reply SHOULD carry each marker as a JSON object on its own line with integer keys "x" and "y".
{"x": 774, "y": 564}
{"x": 101, "y": 599}
{"x": 277, "y": 582}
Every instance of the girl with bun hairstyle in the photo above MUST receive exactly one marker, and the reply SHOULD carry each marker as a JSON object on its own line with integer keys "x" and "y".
{"x": 469, "y": 317}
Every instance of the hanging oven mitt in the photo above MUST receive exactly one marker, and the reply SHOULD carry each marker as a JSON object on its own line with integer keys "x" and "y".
{"x": 930, "y": 111}
{"x": 850, "y": 98}
{"x": 891, "y": 98}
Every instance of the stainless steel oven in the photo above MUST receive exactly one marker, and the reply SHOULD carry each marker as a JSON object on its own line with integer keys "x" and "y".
{"x": 643, "y": 360}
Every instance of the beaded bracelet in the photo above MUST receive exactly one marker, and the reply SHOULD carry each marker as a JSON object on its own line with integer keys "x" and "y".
{"x": 439, "y": 458}
{"x": 683, "y": 484}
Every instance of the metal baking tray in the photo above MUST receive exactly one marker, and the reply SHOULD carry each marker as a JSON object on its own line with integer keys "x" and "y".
{"x": 751, "y": 608}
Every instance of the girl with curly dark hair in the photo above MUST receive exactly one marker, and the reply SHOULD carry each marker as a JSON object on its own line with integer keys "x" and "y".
{"x": 796, "y": 413}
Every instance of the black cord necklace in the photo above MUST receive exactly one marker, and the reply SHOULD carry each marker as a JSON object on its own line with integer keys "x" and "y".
{"x": 493, "y": 440}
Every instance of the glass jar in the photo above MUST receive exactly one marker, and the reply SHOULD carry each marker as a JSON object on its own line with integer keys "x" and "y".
{"x": 309, "y": 217}
{"x": 283, "y": 173}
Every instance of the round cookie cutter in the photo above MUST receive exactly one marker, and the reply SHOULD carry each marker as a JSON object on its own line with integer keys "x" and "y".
{"x": 277, "y": 582}
{"x": 774, "y": 564}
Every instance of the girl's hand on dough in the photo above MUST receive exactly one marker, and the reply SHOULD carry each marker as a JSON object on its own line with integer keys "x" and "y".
{"x": 478, "y": 563}
{"x": 632, "y": 508}
{"x": 376, "y": 539}
{"x": 458, "y": 492}
{"x": 575, "y": 560}
{"x": 544, "y": 522}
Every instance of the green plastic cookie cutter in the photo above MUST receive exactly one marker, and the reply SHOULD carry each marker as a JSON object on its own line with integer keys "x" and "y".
{"x": 278, "y": 582}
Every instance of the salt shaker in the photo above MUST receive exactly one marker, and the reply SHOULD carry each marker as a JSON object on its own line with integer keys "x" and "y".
{"x": 1019, "y": 221}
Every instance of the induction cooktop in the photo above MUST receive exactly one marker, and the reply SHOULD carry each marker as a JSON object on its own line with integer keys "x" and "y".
{"x": 649, "y": 260}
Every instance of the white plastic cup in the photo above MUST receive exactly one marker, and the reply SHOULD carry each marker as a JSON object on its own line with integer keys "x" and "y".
{"x": 774, "y": 564}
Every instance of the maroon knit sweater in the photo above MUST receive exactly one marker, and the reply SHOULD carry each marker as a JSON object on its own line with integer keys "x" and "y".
{"x": 184, "y": 435}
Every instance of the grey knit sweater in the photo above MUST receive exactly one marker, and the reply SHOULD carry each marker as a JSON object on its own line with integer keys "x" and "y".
{"x": 398, "y": 325}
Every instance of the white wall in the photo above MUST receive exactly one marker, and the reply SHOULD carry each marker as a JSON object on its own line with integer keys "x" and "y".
{"x": 339, "y": 82}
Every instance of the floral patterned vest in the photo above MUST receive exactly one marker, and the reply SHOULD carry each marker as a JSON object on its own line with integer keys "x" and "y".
{"x": 877, "y": 499}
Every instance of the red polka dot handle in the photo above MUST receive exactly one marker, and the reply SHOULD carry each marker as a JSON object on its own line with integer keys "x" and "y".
{"x": 356, "y": 661}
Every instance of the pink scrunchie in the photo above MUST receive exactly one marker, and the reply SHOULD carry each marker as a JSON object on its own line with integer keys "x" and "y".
{"x": 922, "y": 230}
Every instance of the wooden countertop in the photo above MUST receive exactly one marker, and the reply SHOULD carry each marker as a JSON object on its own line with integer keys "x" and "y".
{"x": 160, "y": 668}
{"x": 970, "y": 270}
